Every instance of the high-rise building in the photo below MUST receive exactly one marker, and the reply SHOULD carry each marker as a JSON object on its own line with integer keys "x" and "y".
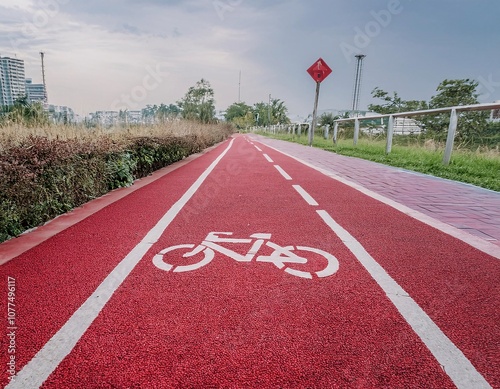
{"x": 35, "y": 92}
{"x": 12, "y": 80}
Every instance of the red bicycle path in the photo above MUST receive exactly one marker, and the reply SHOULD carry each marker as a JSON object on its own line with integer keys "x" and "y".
{"x": 233, "y": 324}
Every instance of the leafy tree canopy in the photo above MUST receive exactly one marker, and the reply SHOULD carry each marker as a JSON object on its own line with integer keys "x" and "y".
{"x": 24, "y": 112}
{"x": 199, "y": 103}
{"x": 260, "y": 114}
{"x": 275, "y": 113}
{"x": 240, "y": 114}
{"x": 394, "y": 103}
{"x": 450, "y": 93}
{"x": 279, "y": 112}
{"x": 237, "y": 110}
{"x": 454, "y": 93}
{"x": 159, "y": 113}
{"x": 328, "y": 119}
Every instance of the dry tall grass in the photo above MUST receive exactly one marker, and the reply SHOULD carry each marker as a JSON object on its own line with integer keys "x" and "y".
{"x": 14, "y": 135}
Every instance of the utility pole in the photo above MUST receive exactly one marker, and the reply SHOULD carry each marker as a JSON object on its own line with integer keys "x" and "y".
{"x": 357, "y": 83}
{"x": 269, "y": 112}
{"x": 239, "y": 89}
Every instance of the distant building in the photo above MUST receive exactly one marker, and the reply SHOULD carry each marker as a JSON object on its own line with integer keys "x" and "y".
{"x": 60, "y": 113}
{"x": 495, "y": 113}
{"x": 113, "y": 118}
{"x": 105, "y": 118}
{"x": 406, "y": 126}
{"x": 134, "y": 117}
{"x": 35, "y": 92}
{"x": 12, "y": 80}
{"x": 402, "y": 126}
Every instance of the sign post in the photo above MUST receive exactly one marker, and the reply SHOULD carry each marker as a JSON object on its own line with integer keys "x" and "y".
{"x": 318, "y": 71}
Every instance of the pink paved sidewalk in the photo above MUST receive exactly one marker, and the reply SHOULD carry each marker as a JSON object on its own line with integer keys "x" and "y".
{"x": 466, "y": 207}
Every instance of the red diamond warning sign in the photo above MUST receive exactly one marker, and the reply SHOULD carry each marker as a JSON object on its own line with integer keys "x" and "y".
{"x": 319, "y": 70}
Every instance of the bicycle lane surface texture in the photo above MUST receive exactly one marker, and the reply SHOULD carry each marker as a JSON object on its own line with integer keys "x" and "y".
{"x": 408, "y": 306}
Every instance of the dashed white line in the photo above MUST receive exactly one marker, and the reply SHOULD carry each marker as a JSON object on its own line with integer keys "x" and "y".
{"x": 268, "y": 158}
{"x": 455, "y": 363}
{"x": 472, "y": 240}
{"x": 283, "y": 173}
{"x": 258, "y": 148}
{"x": 306, "y": 196}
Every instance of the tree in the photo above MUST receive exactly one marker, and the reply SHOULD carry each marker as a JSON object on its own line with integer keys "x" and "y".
{"x": 240, "y": 114}
{"x": 167, "y": 112}
{"x": 173, "y": 111}
{"x": 394, "y": 103}
{"x": 25, "y": 112}
{"x": 261, "y": 113}
{"x": 327, "y": 119}
{"x": 346, "y": 129}
{"x": 279, "y": 112}
{"x": 237, "y": 110}
{"x": 149, "y": 113}
{"x": 266, "y": 114}
{"x": 456, "y": 93}
{"x": 162, "y": 113}
{"x": 245, "y": 121}
{"x": 123, "y": 116}
{"x": 198, "y": 103}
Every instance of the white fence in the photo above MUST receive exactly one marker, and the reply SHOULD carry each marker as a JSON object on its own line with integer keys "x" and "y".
{"x": 454, "y": 113}
{"x": 293, "y": 129}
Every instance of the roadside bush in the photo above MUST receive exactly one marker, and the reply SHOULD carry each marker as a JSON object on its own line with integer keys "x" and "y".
{"x": 152, "y": 154}
{"x": 41, "y": 178}
{"x": 120, "y": 169}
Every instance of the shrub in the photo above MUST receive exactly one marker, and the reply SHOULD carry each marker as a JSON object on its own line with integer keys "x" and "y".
{"x": 42, "y": 176}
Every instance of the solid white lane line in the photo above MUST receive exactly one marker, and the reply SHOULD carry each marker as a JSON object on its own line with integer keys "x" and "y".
{"x": 268, "y": 158}
{"x": 34, "y": 374}
{"x": 283, "y": 173}
{"x": 454, "y": 362}
{"x": 306, "y": 196}
{"x": 258, "y": 148}
{"x": 474, "y": 241}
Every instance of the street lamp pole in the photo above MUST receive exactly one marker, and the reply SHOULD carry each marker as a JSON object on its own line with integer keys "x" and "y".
{"x": 269, "y": 112}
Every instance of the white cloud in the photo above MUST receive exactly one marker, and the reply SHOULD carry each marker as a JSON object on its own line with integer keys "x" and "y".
{"x": 17, "y": 4}
{"x": 97, "y": 51}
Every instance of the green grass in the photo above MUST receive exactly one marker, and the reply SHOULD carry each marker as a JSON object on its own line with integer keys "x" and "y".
{"x": 481, "y": 169}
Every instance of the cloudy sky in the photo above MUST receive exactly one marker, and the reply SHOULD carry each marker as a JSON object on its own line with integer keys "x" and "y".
{"x": 112, "y": 54}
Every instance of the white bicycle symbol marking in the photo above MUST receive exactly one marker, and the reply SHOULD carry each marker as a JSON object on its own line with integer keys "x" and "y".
{"x": 280, "y": 257}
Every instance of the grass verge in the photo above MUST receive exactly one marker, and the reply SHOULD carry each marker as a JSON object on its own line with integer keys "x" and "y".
{"x": 480, "y": 169}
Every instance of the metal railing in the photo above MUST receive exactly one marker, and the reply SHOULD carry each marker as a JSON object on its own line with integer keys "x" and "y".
{"x": 293, "y": 128}
{"x": 452, "y": 129}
